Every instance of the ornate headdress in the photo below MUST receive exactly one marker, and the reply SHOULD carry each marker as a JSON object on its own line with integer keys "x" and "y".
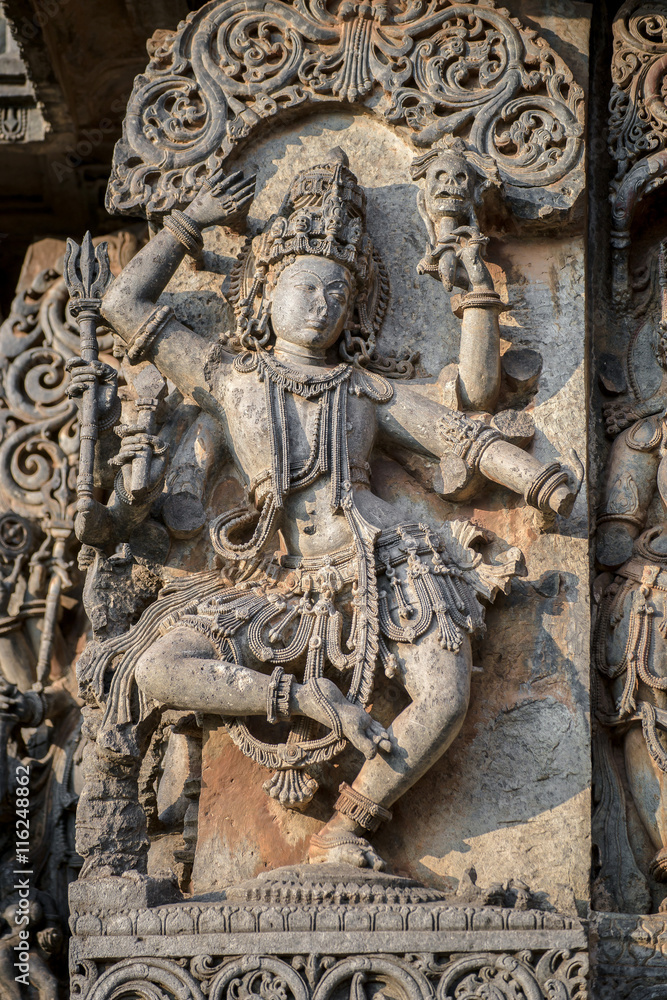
{"x": 323, "y": 214}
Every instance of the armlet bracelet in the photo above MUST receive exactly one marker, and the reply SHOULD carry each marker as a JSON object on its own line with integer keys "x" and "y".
{"x": 148, "y": 332}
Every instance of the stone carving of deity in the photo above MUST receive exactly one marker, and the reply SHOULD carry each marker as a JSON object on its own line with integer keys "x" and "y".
{"x": 320, "y": 587}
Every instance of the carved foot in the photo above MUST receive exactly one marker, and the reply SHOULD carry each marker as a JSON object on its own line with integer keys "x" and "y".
{"x": 345, "y": 849}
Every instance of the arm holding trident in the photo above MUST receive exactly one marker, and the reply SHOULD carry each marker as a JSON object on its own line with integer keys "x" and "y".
{"x": 87, "y": 274}
{"x": 141, "y": 455}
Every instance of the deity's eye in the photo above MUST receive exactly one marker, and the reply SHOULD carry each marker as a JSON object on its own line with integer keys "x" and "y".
{"x": 461, "y": 178}
{"x": 307, "y": 286}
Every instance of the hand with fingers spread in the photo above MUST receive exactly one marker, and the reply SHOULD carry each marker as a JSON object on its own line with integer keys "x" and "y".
{"x": 222, "y": 200}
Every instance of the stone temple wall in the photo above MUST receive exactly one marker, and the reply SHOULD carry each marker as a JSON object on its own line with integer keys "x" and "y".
{"x": 331, "y": 501}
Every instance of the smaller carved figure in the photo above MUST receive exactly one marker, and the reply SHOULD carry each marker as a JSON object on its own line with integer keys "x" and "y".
{"x": 631, "y": 631}
{"x": 45, "y": 938}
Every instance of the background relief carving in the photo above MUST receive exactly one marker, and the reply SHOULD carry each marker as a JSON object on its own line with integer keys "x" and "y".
{"x": 429, "y": 156}
{"x": 429, "y": 67}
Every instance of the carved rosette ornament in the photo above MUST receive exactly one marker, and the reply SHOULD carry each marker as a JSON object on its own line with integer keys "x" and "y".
{"x": 429, "y": 67}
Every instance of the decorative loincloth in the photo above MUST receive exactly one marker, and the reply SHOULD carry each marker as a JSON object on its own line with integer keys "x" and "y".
{"x": 306, "y": 615}
{"x": 641, "y": 582}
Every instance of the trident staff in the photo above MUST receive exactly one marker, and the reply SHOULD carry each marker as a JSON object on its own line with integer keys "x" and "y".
{"x": 87, "y": 274}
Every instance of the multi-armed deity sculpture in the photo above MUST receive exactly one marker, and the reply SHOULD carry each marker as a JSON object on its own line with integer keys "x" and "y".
{"x": 259, "y": 556}
{"x": 315, "y": 585}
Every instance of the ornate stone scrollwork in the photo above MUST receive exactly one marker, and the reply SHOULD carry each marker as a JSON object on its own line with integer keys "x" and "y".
{"x": 147, "y": 979}
{"x": 257, "y": 978}
{"x": 637, "y": 120}
{"x": 549, "y": 975}
{"x": 430, "y": 67}
{"x": 40, "y": 722}
{"x": 556, "y": 976}
{"x": 400, "y": 978}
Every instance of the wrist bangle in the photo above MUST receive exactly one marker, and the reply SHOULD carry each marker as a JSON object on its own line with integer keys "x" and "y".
{"x": 278, "y": 696}
{"x": 545, "y": 483}
{"x": 148, "y": 332}
{"x": 482, "y": 300}
{"x": 186, "y": 232}
{"x": 126, "y": 498}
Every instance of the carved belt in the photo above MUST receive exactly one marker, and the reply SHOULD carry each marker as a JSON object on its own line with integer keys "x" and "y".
{"x": 647, "y": 573}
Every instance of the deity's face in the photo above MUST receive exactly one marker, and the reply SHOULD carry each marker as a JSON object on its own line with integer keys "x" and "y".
{"x": 311, "y": 302}
{"x": 449, "y": 186}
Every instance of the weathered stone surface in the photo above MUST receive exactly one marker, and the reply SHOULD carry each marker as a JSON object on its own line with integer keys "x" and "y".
{"x": 468, "y": 251}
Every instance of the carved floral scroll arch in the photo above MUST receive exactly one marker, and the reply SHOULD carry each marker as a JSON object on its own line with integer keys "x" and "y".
{"x": 426, "y": 67}
{"x": 637, "y": 122}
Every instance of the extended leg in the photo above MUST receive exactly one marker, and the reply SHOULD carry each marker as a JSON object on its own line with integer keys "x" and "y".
{"x": 438, "y": 681}
{"x": 649, "y": 792}
{"x": 180, "y": 670}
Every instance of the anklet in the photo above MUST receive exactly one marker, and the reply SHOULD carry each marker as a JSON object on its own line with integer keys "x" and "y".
{"x": 338, "y": 840}
{"x": 360, "y": 808}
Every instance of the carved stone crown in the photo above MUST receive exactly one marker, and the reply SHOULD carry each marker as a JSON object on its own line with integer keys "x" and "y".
{"x": 324, "y": 213}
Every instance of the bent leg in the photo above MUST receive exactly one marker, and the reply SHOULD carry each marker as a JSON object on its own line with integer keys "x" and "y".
{"x": 438, "y": 681}
{"x": 648, "y": 784}
{"x": 181, "y": 670}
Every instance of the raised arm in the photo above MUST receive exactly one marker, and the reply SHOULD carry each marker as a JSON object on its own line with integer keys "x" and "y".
{"x": 479, "y": 353}
{"x": 468, "y": 449}
{"x": 153, "y": 332}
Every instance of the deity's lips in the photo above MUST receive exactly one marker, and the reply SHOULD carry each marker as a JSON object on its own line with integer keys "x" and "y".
{"x": 316, "y": 324}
